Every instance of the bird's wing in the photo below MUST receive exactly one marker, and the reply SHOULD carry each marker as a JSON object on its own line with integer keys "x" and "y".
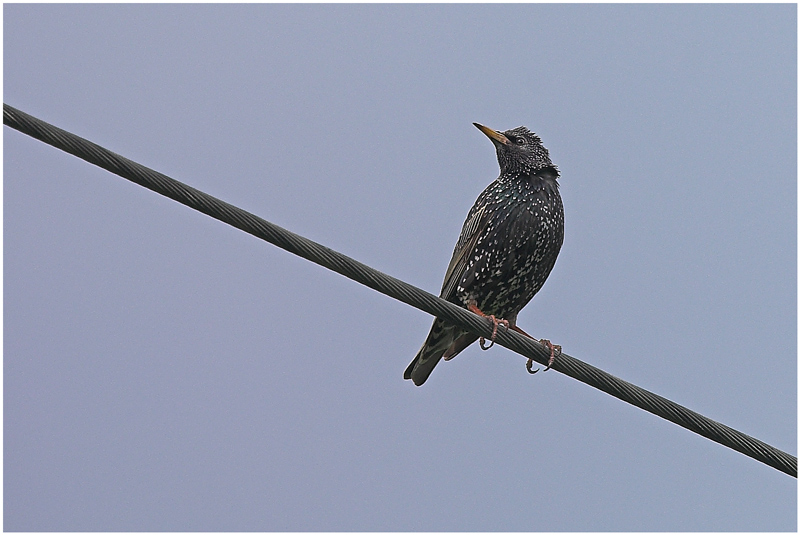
{"x": 473, "y": 228}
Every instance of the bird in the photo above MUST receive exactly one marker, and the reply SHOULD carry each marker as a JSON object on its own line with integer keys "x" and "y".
{"x": 507, "y": 248}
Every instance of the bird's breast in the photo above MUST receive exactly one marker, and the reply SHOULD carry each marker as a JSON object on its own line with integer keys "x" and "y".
{"x": 516, "y": 251}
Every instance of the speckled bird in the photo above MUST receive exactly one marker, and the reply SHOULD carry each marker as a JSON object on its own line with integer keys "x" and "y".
{"x": 507, "y": 248}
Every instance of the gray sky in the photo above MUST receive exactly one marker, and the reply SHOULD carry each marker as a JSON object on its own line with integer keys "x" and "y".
{"x": 163, "y": 371}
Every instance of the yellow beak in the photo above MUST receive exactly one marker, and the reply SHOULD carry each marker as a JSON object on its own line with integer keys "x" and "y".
{"x": 492, "y": 134}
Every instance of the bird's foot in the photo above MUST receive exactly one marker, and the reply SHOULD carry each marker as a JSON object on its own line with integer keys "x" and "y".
{"x": 553, "y": 350}
{"x": 473, "y": 307}
{"x": 529, "y": 364}
{"x": 497, "y": 323}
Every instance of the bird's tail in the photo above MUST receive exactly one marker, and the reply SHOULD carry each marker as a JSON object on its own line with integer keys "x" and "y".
{"x": 444, "y": 340}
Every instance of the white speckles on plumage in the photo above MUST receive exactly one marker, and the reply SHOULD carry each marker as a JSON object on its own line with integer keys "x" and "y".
{"x": 508, "y": 244}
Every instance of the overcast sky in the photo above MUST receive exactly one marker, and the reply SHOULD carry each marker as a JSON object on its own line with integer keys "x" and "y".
{"x": 163, "y": 371}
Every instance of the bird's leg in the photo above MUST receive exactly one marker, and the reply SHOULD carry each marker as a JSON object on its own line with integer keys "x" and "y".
{"x": 553, "y": 349}
{"x": 529, "y": 364}
{"x": 473, "y": 307}
{"x": 546, "y": 343}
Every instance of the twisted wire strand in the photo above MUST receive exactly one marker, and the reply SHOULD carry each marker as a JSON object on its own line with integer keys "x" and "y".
{"x": 396, "y": 288}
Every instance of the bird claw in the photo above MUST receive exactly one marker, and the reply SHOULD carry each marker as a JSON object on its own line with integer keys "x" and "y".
{"x": 553, "y": 349}
{"x": 497, "y": 323}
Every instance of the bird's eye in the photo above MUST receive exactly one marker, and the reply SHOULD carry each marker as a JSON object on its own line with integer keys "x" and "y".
{"x": 520, "y": 141}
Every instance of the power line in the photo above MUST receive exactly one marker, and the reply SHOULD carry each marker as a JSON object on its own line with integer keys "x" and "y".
{"x": 395, "y": 288}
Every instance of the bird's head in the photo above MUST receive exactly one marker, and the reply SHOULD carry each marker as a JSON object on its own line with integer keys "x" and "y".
{"x": 519, "y": 151}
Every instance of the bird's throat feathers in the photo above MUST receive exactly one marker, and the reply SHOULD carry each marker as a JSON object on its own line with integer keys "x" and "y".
{"x": 536, "y": 179}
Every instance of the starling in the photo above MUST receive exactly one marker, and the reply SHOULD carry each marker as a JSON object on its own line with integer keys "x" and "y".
{"x": 507, "y": 248}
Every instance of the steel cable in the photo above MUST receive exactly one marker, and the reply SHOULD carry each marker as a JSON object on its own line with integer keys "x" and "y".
{"x": 395, "y": 288}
